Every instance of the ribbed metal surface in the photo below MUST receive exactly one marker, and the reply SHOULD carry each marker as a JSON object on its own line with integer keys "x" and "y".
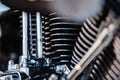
{"x": 86, "y": 38}
{"x": 60, "y": 36}
{"x": 107, "y": 64}
{"x": 32, "y": 35}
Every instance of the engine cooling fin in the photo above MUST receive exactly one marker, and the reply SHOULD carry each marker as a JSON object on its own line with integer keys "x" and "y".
{"x": 60, "y": 35}
{"x": 106, "y": 66}
{"x": 32, "y": 23}
{"x": 87, "y": 37}
{"x": 32, "y": 35}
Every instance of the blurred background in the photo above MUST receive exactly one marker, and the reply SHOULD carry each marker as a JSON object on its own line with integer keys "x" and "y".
{"x": 10, "y": 41}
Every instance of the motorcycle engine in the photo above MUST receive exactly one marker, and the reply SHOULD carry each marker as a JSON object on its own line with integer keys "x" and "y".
{"x": 37, "y": 43}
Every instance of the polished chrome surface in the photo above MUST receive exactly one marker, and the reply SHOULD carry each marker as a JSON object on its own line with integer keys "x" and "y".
{"x": 39, "y": 36}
